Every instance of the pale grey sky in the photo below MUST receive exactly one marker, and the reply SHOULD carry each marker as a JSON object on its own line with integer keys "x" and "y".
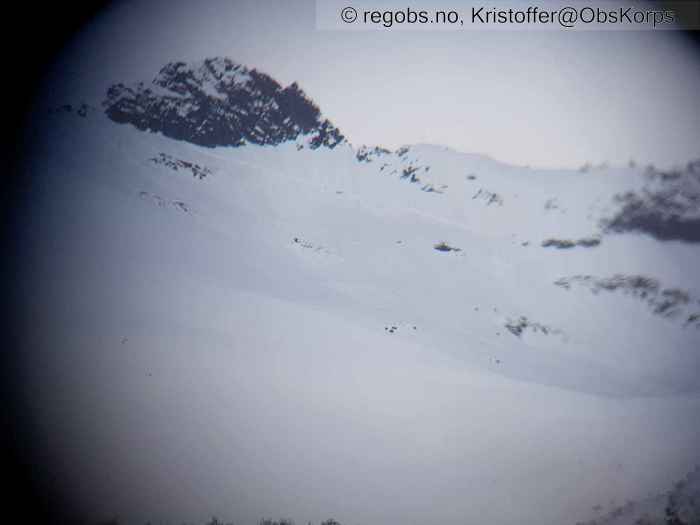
{"x": 531, "y": 98}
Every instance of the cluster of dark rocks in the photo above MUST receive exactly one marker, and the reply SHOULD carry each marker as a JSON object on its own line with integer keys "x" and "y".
{"x": 175, "y": 164}
{"x": 667, "y": 207}
{"x": 565, "y": 244}
{"x": 672, "y": 303}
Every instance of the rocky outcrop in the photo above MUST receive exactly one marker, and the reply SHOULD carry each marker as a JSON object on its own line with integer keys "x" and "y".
{"x": 220, "y": 103}
{"x": 667, "y": 207}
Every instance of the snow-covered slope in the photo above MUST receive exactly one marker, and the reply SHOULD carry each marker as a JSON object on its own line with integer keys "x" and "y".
{"x": 277, "y": 329}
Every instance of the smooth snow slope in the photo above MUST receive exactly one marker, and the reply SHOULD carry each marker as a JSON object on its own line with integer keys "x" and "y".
{"x": 281, "y": 337}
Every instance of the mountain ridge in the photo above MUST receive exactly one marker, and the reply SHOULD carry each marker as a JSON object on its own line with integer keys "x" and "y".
{"x": 217, "y": 102}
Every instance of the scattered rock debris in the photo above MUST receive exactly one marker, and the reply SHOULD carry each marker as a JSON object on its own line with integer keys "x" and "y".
{"x": 199, "y": 172}
{"x": 164, "y": 203}
{"x": 565, "y": 244}
{"x": 489, "y": 197}
{"x": 671, "y": 303}
{"x": 522, "y": 324}
{"x": 393, "y": 328}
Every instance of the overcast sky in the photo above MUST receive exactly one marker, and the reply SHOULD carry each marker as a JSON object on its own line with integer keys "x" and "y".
{"x": 526, "y": 97}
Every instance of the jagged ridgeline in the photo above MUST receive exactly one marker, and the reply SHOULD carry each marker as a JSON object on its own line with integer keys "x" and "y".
{"x": 217, "y": 102}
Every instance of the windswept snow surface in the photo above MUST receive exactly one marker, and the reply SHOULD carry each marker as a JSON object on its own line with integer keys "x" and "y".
{"x": 281, "y": 338}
